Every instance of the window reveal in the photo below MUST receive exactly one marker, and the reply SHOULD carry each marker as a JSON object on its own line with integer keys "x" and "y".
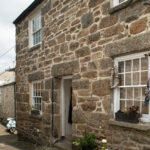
{"x": 37, "y": 96}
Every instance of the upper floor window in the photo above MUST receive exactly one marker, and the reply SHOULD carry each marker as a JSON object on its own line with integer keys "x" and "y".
{"x": 118, "y": 2}
{"x": 36, "y": 32}
{"x": 134, "y": 72}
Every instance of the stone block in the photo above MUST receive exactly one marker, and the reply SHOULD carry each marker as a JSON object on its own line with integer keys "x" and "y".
{"x": 87, "y": 20}
{"x": 45, "y": 95}
{"x": 25, "y": 26}
{"x": 88, "y": 106}
{"x": 94, "y": 37}
{"x": 138, "y": 26}
{"x": 101, "y": 87}
{"x": 61, "y": 38}
{"x": 114, "y": 30}
{"x": 83, "y": 33}
{"x": 84, "y": 51}
{"x": 52, "y": 43}
{"x": 106, "y": 8}
{"x": 63, "y": 69}
{"x": 93, "y": 28}
{"x": 105, "y": 63}
{"x": 90, "y": 74}
{"x": 36, "y": 76}
{"x": 95, "y": 3}
{"x": 46, "y": 8}
{"x": 131, "y": 18}
{"x": 91, "y": 66}
{"x": 63, "y": 48}
{"x": 80, "y": 84}
{"x": 78, "y": 116}
{"x": 48, "y": 83}
{"x": 108, "y": 21}
{"x": 74, "y": 45}
{"x": 128, "y": 45}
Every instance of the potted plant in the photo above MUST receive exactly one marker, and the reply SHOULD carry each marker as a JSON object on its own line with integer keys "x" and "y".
{"x": 131, "y": 115}
{"x": 35, "y": 111}
{"x": 88, "y": 142}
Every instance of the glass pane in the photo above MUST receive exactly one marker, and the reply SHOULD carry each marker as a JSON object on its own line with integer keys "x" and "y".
{"x": 122, "y": 93}
{"x": 143, "y": 93}
{"x": 137, "y": 103}
{"x": 122, "y": 105}
{"x": 137, "y": 93}
{"x": 128, "y": 66}
{"x": 129, "y": 93}
{"x": 144, "y": 77}
{"x": 144, "y": 63}
{"x": 121, "y": 79}
{"x": 136, "y": 78}
{"x": 145, "y": 109}
{"x": 121, "y": 67}
{"x": 136, "y": 65}
{"x": 129, "y": 104}
{"x": 128, "y": 78}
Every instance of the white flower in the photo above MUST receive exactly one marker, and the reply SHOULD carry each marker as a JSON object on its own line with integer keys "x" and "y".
{"x": 104, "y": 141}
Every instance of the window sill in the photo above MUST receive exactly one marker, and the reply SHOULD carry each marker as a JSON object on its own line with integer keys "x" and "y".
{"x": 34, "y": 47}
{"x": 140, "y": 126}
{"x": 120, "y": 6}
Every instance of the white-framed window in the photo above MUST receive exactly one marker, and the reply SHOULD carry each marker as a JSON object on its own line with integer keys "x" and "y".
{"x": 37, "y": 96}
{"x": 134, "y": 72}
{"x": 118, "y": 2}
{"x": 36, "y": 30}
{"x": 0, "y": 96}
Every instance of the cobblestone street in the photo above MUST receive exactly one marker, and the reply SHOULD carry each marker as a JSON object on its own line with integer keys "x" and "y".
{"x": 9, "y": 142}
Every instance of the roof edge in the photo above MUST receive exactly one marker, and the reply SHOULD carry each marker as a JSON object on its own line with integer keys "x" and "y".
{"x": 27, "y": 11}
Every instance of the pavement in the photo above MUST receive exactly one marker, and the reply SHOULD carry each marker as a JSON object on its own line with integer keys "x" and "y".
{"x": 10, "y": 142}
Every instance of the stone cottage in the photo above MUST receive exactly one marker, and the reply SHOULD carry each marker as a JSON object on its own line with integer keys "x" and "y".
{"x": 7, "y": 95}
{"x": 78, "y": 63}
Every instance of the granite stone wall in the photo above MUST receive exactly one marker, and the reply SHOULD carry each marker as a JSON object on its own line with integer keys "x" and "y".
{"x": 79, "y": 38}
{"x": 7, "y": 105}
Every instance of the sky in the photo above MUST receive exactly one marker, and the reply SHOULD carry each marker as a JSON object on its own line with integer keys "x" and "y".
{"x": 9, "y": 11}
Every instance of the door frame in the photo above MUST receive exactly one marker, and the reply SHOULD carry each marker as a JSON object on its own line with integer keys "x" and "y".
{"x": 63, "y": 104}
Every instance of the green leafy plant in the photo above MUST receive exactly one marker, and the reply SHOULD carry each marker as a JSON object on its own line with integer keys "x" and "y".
{"x": 88, "y": 142}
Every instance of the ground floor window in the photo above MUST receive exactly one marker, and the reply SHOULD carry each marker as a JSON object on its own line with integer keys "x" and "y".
{"x": 134, "y": 73}
{"x": 37, "y": 96}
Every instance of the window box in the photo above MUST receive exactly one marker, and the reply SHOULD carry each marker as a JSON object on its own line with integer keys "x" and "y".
{"x": 127, "y": 117}
{"x": 35, "y": 112}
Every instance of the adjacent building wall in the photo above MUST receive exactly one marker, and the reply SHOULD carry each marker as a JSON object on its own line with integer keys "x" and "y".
{"x": 79, "y": 38}
{"x": 7, "y": 105}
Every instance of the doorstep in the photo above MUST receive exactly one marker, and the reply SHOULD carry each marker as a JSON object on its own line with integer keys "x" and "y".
{"x": 64, "y": 144}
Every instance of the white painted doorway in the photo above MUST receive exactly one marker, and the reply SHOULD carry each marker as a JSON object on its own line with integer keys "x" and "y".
{"x": 66, "y": 103}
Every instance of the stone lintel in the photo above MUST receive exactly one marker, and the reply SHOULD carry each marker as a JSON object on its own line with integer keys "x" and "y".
{"x": 67, "y": 68}
{"x": 134, "y": 44}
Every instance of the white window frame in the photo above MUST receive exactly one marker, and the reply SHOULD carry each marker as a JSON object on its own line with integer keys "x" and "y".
{"x": 146, "y": 117}
{"x": 36, "y": 15}
{"x": 116, "y": 2}
{"x": 35, "y": 96}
